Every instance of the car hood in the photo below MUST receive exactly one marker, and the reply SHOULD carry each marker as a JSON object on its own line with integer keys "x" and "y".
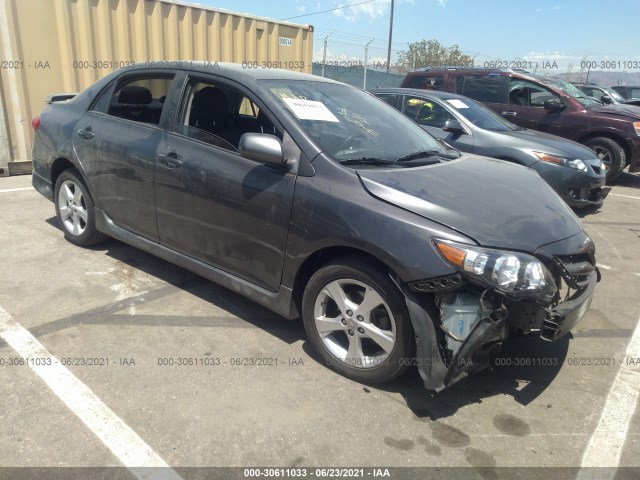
{"x": 547, "y": 143}
{"x": 631, "y": 111}
{"x": 496, "y": 203}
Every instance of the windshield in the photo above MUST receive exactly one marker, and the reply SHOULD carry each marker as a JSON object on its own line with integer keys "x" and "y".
{"x": 481, "y": 116}
{"x": 349, "y": 124}
{"x": 572, "y": 90}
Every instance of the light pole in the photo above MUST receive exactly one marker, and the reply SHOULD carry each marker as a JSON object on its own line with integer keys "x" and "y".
{"x": 324, "y": 52}
{"x": 366, "y": 56}
{"x": 390, "y": 36}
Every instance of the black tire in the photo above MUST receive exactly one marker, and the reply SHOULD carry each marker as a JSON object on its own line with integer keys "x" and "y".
{"x": 75, "y": 210}
{"x": 390, "y": 317}
{"x": 611, "y": 153}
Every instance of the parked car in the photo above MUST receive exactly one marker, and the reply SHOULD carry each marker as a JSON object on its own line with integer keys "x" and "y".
{"x": 317, "y": 200}
{"x": 605, "y": 95}
{"x": 573, "y": 170}
{"x": 628, "y": 92}
{"x": 550, "y": 105}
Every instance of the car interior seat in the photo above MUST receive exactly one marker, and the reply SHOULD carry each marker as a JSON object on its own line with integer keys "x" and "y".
{"x": 210, "y": 112}
{"x": 134, "y": 104}
{"x": 518, "y": 96}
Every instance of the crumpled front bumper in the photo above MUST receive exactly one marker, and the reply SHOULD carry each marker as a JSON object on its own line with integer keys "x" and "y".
{"x": 567, "y": 314}
{"x": 475, "y": 352}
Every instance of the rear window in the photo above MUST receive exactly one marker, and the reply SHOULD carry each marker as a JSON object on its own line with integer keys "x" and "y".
{"x": 138, "y": 99}
{"x": 484, "y": 88}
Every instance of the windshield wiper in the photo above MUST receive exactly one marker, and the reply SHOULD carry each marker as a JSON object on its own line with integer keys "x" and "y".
{"x": 426, "y": 154}
{"x": 366, "y": 161}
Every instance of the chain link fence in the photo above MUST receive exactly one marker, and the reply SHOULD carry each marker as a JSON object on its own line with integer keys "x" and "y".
{"x": 361, "y": 63}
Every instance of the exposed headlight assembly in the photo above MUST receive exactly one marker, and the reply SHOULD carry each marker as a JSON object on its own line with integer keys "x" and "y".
{"x": 516, "y": 274}
{"x": 565, "y": 162}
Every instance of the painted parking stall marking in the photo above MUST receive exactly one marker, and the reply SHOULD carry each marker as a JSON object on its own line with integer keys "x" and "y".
{"x": 606, "y": 443}
{"x": 116, "y": 435}
{"x": 7, "y": 190}
{"x": 625, "y": 196}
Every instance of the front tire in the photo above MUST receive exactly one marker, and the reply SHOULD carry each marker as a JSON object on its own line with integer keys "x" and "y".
{"x": 357, "y": 320}
{"x": 75, "y": 209}
{"x": 611, "y": 154}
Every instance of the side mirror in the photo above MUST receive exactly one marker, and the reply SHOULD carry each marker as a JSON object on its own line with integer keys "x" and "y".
{"x": 606, "y": 99}
{"x": 553, "y": 105}
{"x": 261, "y": 147}
{"x": 453, "y": 126}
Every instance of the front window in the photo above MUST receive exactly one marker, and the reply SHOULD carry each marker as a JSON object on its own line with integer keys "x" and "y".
{"x": 529, "y": 94}
{"x": 349, "y": 124}
{"x": 481, "y": 116}
{"x": 572, "y": 90}
{"x": 138, "y": 99}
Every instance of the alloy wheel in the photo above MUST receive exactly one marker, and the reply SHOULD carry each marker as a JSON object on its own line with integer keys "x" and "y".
{"x": 355, "y": 323}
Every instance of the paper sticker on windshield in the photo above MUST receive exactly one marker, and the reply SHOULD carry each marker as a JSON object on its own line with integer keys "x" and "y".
{"x": 310, "y": 110}
{"x": 458, "y": 103}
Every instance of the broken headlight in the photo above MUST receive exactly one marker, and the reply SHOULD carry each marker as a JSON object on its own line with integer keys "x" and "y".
{"x": 516, "y": 274}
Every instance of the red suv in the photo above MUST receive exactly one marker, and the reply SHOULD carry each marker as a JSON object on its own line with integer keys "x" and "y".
{"x": 547, "y": 104}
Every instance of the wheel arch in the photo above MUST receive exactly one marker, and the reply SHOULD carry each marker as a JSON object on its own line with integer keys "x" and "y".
{"x": 619, "y": 139}
{"x": 323, "y": 256}
{"x": 58, "y": 166}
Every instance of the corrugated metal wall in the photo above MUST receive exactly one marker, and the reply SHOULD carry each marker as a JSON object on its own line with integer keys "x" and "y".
{"x": 49, "y": 46}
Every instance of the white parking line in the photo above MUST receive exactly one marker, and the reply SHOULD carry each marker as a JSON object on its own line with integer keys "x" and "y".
{"x": 606, "y": 443}
{"x": 116, "y": 435}
{"x": 7, "y": 190}
{"x": 625, "y": 196}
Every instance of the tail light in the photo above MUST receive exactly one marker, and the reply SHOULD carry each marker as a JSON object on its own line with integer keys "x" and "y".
{"x": 35, "y": 123}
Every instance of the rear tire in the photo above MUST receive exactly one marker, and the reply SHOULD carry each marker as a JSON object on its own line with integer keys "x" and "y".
{"x": 357, "y": 320}
{"x": 75, "y": 210}
{"x": 611, "y": 154}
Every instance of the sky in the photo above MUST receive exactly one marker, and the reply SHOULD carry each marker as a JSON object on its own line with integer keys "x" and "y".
{"x": 565, "y": 31}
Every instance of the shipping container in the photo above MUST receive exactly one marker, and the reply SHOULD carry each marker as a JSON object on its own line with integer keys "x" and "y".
{"x": 54, "y": 46}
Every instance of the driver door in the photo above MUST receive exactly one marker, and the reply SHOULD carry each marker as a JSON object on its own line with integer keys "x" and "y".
{"x": 214, "y": 205}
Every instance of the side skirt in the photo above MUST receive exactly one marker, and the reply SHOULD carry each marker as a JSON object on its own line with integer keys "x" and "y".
{"x": 280, "y": 302}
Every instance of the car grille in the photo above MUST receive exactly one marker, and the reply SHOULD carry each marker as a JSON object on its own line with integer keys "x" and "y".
{"x": 438, "y": 284}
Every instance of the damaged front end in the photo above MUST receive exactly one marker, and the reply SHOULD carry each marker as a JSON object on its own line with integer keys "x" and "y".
{"x": 460, "y": 320}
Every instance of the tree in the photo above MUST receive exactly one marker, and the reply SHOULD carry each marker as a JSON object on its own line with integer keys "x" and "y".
{"x": 431, "y": 53}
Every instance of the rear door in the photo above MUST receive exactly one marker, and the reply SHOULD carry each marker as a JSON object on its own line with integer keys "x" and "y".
{"x": 490, "y": 89}
{"x": 116, "y": 142}
{"x": 212, "y": 204}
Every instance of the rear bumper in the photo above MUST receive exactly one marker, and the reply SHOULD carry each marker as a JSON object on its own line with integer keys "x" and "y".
{"x": 42, "y": 185}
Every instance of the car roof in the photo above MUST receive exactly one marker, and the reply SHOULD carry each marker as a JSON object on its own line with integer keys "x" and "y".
{"x": 419, "y": 91}
{"x": 237, "y": 71}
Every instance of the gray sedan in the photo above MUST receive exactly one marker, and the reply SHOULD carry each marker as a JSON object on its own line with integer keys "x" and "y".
{"x": 573, "y": 170}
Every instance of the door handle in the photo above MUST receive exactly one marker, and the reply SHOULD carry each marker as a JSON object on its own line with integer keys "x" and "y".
{"x": 510, "y": 113}
{"x": 171, "y": 160}
{"x": 86, "y": 133}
